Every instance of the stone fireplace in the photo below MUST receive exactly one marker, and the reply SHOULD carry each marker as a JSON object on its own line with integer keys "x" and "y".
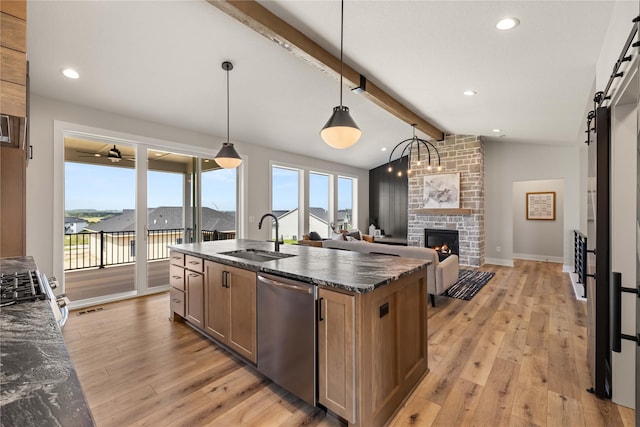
{"x": 463, "y": 154}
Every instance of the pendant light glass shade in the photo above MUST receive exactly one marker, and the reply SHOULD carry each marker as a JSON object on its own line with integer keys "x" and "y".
{"x": 228, "y": 157}
{"x": 341, "y": 130}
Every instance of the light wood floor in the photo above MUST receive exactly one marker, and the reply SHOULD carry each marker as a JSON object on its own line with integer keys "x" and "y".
{"x": 515, "y": 355}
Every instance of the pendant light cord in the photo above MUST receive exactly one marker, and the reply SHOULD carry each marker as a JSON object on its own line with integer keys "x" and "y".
{"x": 341, "y": 42}
{"x": 227, "y": 106}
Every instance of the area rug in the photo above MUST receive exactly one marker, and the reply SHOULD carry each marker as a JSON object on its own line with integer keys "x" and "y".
{"x": 468, "y": 284}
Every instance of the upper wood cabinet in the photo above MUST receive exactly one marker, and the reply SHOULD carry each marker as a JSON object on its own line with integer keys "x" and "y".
{"x": 17, "y": 8}
{"x": 13, "y": 42}
{"x": 230, "y": 313}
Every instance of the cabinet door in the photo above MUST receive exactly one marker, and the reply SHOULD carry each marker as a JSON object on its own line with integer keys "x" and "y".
{"x": 194, "y": 284}
{"x": 336, "y": 352}
{"x": 242, "y": 312}
{"x": 217, "y": 305}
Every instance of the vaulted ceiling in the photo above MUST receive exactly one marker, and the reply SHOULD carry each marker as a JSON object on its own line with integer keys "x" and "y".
{"x": 160, "y": 61}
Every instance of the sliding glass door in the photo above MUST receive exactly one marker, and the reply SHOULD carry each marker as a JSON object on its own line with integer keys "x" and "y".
{"x": 122, "y": 214}
{"x": 169, "y": 219}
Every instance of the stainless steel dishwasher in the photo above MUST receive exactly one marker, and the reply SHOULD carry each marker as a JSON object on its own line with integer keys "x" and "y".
{"x": 287, "y": 334}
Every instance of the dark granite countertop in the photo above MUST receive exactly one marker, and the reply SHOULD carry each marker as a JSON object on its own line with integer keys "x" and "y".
{"x": 38, "y": 384}
{"x": 352, "y": 271}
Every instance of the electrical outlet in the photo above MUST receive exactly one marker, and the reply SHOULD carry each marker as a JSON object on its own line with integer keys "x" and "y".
{"x": 498, "y": 249}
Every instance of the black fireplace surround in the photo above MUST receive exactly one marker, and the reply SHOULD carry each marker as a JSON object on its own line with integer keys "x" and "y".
{"x": 436, "y": 238}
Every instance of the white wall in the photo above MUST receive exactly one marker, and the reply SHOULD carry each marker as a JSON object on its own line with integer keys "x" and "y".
{"x": 539, "y": 240}
{"x": 619, "y": 28}
{"x": 506, "y": 163}
{"x": 40, "y": 185}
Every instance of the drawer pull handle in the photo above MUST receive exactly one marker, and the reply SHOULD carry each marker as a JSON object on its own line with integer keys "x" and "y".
{"x": 194, "y": 262}
{"x": 177, "y": 277}
{"x": 176, "y": 300}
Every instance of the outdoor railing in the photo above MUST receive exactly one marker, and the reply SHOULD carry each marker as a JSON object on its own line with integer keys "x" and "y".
{"x": 580, "y": 259}
{"x": 101, "y": 249}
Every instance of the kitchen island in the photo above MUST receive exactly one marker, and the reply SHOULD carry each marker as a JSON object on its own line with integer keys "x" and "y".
{"x": 371, "y": 315}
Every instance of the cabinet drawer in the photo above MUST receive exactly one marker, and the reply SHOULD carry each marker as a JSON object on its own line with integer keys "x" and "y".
{"x": 176, "y": 277}
{"x": 177, "y": 301}
{"x": 14, "y": 66}
{"x": 194, "y": 263}
{"x": 177, "y": 258}
{"x": 14, "y": 99}
{"x": 15, "y": 8}
{"x": 13, "y": 32}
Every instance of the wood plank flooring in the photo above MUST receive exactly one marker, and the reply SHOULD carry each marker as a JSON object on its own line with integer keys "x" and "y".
{"x": 515, "y": 355}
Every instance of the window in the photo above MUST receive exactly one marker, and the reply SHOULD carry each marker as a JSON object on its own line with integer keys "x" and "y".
{"x": 285, "y": 190}
{"x": 332, "y": 202}
{"x": 346, "y": 219}
{"x": 319, "y": 203}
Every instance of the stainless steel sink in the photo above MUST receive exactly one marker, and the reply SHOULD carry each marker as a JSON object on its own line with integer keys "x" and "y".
{"x": 256, "y": 255}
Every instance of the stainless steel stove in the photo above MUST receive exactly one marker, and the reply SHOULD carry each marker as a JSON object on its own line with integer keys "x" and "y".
{"x": 20, "y": 287}
{"x": 28, "y": 286}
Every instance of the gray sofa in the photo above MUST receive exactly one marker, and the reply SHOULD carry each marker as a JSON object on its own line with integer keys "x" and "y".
{"x": 440, "y": 275}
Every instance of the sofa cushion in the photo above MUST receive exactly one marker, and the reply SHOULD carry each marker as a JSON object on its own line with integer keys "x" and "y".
{"x": 314, "y": 236}
{"x": 338, "y": 237}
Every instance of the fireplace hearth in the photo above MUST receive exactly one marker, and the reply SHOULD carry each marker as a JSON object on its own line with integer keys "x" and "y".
{"x": 445, "y": 242}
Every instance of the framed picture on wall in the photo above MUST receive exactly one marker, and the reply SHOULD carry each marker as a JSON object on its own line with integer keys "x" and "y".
{"x": 541, "y": 205}
{"x": 441, "y": 191}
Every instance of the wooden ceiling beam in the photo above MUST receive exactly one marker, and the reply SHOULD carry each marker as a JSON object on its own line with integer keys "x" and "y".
{"x": 261, "y": 20}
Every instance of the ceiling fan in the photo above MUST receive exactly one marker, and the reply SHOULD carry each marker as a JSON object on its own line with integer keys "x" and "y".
{"x": 113, "y": 154}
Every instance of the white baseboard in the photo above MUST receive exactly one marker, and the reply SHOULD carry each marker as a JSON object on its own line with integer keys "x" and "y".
{"x": 90, "y": 302}
{"x": 566, "y": 268}
{"x": 499, "y": 261}
{"x": 578, "y": 288}
{"x": 545, "y": 258}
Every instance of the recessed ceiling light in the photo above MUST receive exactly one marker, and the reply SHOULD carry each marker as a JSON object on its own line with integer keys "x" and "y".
{"x": 507, "y": 23}
{"x": 497, "y": 130}
{"x": 469, "y": 92}
{"x": 70, "y": 73}
{"x": 384, "y": 148}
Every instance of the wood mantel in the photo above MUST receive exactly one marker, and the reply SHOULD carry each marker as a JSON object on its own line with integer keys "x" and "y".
{"x": 452, "y": 211}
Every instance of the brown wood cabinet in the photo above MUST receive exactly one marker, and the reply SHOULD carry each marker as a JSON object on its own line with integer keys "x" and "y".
{"x": 176, "y": 280}
{"x": 13, "y": 93}
{"x": 365, "y": 384}
{"x": 13, "y": 40}
{"x": 230, "y": 314}
{"x": 337, "y": 353}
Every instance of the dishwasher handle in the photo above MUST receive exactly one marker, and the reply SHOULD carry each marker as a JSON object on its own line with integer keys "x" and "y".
{"x": 305, "y": 289}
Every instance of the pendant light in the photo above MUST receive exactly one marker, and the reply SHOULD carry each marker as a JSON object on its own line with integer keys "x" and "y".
{"x": 228, "y": 157}
{"x": 341, "y": 130}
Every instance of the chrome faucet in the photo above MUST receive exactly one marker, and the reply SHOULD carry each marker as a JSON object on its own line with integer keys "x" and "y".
{"x": 276, "y": 221}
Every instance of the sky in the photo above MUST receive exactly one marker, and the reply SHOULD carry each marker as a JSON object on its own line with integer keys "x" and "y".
{"x": 113, "y": 188}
